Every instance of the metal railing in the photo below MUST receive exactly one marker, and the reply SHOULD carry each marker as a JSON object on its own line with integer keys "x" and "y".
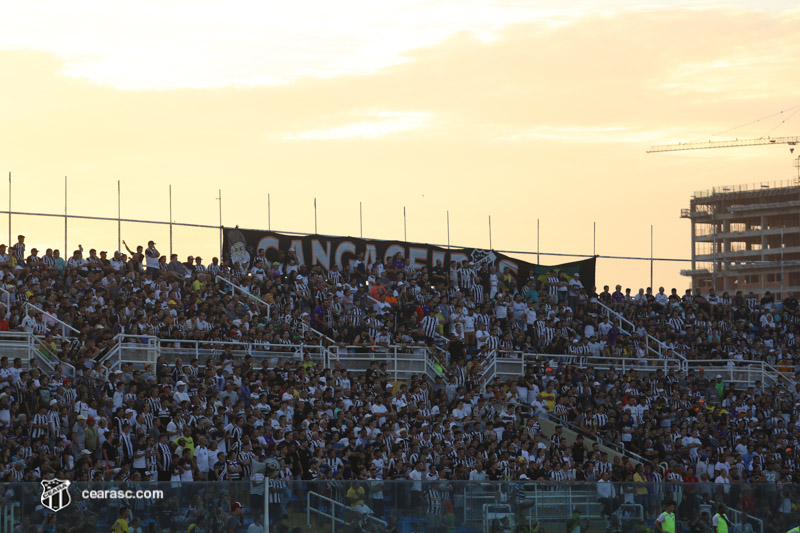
{"x": 328, "y": 346}
{"x": 739, "y": 518}
{"x": 143, "y": 349}
{"x": 7, "y": 517}
{"x": 26, "y": 346}
{"x": 489, "y": 371}
{"x": 741, "y": 372}
{"x": 244, "y": 291}
{"x": 744, "y": 187}
{"x": 652, "y": 344}
{"x": 310, "y": 508}
{"x": 64, "y": 326}
{"x": 512, "y": 363}
{"x": 594, "y": 437}
{"x": 403, "y": 362}
{"x": 7, "y": 296}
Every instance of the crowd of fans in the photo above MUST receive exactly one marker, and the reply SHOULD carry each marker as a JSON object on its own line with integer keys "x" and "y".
{"x": 221, "y": 418}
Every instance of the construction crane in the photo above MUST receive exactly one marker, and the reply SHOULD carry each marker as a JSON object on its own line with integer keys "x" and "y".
{"x": 791, "y": 141}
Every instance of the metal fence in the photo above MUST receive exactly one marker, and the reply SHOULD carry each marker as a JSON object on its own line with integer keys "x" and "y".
{"x": 401, "y": 505}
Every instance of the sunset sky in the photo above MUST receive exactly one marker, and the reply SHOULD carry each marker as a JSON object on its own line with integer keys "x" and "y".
{"x": 515, "y": 109}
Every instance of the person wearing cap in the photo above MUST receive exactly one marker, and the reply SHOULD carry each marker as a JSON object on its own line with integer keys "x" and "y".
{"x": 181, "y": 395}
{"x": 79, "y": 432}
{"x": 720, "y": 387}
{"x": 34, "y": 261}
{"x": 234, "y": 524}
{"x": 152, "y": 257}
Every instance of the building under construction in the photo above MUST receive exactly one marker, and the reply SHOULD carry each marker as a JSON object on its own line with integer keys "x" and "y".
{"x": 746, "y": 238}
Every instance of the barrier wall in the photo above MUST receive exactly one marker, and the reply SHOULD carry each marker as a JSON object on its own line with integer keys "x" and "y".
{"x": 404, "y": 505}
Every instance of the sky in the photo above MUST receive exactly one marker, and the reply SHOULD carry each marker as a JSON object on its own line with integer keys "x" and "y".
{"x": 515, "y": 110}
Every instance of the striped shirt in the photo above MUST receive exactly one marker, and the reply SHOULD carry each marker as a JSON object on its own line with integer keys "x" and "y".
{"x": 433, "y": 501}
{"x": 165, "y": 458}
{"x": 430, "y": 325}
{"x": 276, "y": 488}
{"x": 19, "y": 253}
{"x": 599, "y": 420}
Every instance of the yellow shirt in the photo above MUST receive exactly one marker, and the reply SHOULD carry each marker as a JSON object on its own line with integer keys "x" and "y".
{"x": 638, "y": 478}
{"x": 120, "y": 526}
{"x": 355, "y": 495}
{"x": 188, "y": 443}
{"x": 550, "y": 398}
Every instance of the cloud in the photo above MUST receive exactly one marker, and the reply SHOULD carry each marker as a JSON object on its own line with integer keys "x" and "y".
{"x": 152, "y": 44}
{"x": 383, "y": 123}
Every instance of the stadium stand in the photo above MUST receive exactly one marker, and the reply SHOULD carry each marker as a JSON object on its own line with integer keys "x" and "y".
{"x": 141, "y": 367}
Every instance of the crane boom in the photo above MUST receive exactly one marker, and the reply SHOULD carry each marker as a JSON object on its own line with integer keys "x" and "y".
{"x": 723, "y": 144}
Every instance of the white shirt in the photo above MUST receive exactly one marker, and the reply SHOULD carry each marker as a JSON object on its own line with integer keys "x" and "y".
{"x": 477, "y": 476}
{"x": 181, "y": 397}
{"x": 379, "y": 409}
{"x": 201, "y": 456}
{"x": 605, "y": 489}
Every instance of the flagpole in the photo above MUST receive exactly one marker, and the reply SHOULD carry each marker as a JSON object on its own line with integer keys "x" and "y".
{"x": 9, "y": 211}
{"x": 170, "y": 221}
{"x": 65, "y": 216}
{"x": 119, "y": 217}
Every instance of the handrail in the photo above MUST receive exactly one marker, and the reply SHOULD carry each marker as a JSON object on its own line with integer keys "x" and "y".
{"x": 318, "y": 333}
{"x": 648, "y": 337}
{"x": 489, "y": 371}
{"x": 763, "y": 368}
{"x": 334, "y": 504}
{"x": 8, "y": 302}
{"x": 778, "y": 373}
{"x": 34, "y": 340}
{"x": 245, "y": 291}
{"x": 598, "y": 438}
{"x": 45, "y": 313}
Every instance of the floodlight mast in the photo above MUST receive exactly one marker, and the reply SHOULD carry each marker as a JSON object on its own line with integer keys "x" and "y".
{"x": 791, "y": 141}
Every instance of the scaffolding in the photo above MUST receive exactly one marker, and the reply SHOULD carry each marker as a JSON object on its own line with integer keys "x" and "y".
{"x": 746, "y": 238}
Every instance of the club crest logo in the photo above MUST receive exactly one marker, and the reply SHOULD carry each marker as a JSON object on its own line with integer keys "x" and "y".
{"x": 483, "y": 257}
{"x": 56, "y": 494}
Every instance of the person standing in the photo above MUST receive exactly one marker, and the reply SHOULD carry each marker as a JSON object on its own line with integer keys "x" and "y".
{"x": 121, "y": 525}
{"x": 19, "y": 250}
{"x": 720, "y": 521}
{"x": 164, "y": 457}
{"x": 234, "y": 524}
{"x": 151, "y": 259}
{"x": 665, "y": 523}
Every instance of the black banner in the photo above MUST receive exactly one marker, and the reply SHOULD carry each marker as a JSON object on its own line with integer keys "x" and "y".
{"x": 241, "y": 245}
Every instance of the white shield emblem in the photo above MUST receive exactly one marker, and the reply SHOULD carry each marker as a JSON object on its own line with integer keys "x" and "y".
{"x": 481, "y": 257}
{"x": 56, "y": 494}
